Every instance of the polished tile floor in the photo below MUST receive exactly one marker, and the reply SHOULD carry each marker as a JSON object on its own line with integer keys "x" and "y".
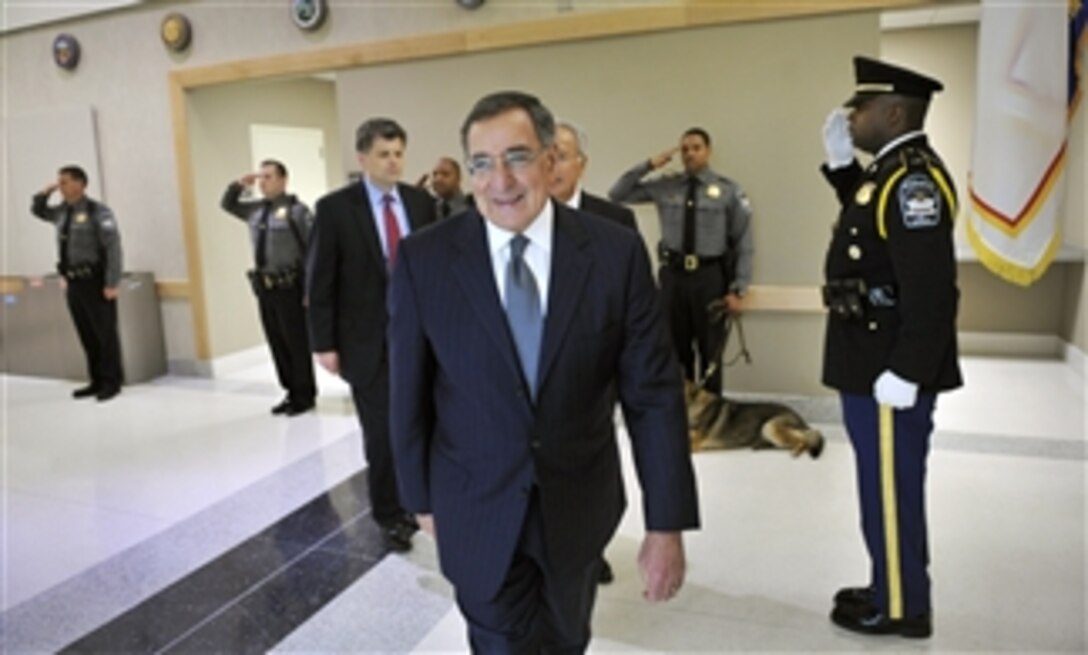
{"x": 182, "y": 517}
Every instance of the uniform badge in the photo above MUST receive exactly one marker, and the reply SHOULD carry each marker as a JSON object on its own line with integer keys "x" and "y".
{"x": 81, "y": 217}
{"x": 854, "y": 251}
{"x": 281, "y": 213}
{"x": 865, "y": 193}
{"x": 713, "y": 191}
{"x": 919, "y": 202}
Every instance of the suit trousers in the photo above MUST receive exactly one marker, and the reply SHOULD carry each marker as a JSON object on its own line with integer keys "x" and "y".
{"x": 685, "y": 296}
{"x": 891, "y": 470}
{"x": 95, "y": 318}
{"x": 540, "y": 608}
{"x": 284, "y": 321}
{"x": 372, "y": 406}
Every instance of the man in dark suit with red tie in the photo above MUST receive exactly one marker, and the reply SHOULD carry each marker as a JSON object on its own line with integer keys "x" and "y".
{"x": 513, "y": 329}
{"x": 356, "y": 234}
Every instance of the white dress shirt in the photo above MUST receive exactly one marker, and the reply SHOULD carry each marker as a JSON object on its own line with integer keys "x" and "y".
{"x": 538, "y": 254}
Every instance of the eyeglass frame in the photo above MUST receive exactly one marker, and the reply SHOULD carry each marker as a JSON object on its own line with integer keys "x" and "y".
{"x": 474, "y": 162}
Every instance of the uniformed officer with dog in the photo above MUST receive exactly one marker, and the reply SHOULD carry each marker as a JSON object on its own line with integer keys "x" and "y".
{"x": 89, "y": 261}
{"x": 705, "y": 250}
{"x": 890, "y": 344}
{"x": 279, "y": 226}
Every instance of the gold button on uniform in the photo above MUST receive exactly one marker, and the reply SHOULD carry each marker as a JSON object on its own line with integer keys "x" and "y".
{"x": 854, "y": 252}
{"x": 872, "y": 326}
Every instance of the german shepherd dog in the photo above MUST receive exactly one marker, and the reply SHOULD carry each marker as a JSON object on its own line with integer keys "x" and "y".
{"x": 717, "y": 423}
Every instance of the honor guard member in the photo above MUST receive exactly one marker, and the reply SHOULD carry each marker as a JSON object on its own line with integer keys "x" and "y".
{"x": 279, "y": 226}
{"x": 89, "y": 250}
{"x": 705, "y": 250}
{"x": 890, "y": 343}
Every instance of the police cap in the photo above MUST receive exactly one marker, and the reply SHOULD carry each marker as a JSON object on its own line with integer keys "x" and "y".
{"x": 875, "y": 78}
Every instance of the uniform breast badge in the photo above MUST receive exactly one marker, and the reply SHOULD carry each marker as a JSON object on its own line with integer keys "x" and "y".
{"x": 713, "y": 191}
{"x": 81, "y": 217}
{"x": 281, "y": 214}
{"x": 865, "y": 193}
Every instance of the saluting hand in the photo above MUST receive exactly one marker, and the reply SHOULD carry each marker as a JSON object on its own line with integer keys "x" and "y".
{"x": 660, "y": 160}
{"x": 248, "y": 179}
{"x": 661, "y": 563}
{"x": 49, "y": 188}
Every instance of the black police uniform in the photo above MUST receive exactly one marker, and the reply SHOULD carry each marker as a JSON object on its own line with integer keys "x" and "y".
{"x": 89, "y": 259}
{"x": 892, "y": 297}
{"x": 279, "y": 229}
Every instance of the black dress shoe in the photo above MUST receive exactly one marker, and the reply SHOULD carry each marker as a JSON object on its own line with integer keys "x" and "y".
{"x": 398, "y": 536}
{"x": 86, "y": 392}
{"x": 282, "y": 407}
{"x": 856, "y": 596}
{"x": 871, "y": 621}
{"x": 605, "y": 576}
{"x": 295, "y": 408}
{"x": 107, "y": 393}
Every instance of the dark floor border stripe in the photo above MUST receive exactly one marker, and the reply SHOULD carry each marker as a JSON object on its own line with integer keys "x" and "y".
{"x": 252, "y": 596}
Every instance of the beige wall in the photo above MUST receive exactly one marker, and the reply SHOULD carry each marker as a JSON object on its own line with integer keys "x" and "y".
{"x": 123, "y": 76}
{"x": 635, "y": 99}
{"x": 1055, "y": 305}
{"x": 219, "y": 121}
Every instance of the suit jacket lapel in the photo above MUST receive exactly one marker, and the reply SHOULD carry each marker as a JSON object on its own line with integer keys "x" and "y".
{"x": 473, "y": 270}
{"x": 363, "y": 220}
{"x": 571, "y": 265}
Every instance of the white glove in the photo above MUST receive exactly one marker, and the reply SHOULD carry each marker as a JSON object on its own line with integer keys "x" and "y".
{"x": 890, "y": 389}
{"x": 837, "y": 143}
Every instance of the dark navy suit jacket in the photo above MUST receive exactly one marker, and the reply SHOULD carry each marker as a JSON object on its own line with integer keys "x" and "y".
{"x": 468, "y": 441}
{"x": 346, "y": 276}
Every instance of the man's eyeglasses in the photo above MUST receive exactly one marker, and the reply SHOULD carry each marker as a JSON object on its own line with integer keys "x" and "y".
{"x": 514, "y": 159}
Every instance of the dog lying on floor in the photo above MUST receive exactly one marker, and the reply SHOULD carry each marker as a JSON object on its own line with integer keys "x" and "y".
{"x": 717, "y": 423}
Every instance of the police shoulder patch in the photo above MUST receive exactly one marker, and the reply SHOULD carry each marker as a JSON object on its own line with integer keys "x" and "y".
{"x": 919, "y": 202}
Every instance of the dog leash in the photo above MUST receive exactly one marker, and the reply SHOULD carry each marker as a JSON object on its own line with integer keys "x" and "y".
{"x": 717, "y": 311}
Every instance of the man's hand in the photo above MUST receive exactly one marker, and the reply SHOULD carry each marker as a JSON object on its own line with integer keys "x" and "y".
{"x": 657, "y": 161}
{"x": 248, "y": 179}
{"x": 837, "y": 143}
{"x": 890, "y": 389}
{"x": 426, "y": 523}
{"x": 661, "y": 563}
{"x": 330, "y": 361}
{"x": 733, "y": 303}
{"x": 111, "y": 293}
{"x": 423, "y": 180}
{"x": 49, "y": 188}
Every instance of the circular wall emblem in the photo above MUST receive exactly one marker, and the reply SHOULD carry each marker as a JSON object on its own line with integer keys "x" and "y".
{"x": 470, "y": 4}
{"x": 66, "y": 51}
{"x": 176, "y": 32}
{"x": 308, "y": 14}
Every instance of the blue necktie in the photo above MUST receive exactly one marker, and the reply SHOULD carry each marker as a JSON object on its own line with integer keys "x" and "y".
{"x": 523, "y": 310}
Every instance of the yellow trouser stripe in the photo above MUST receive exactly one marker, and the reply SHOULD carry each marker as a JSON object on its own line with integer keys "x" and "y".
{"x": 891, "y": 514}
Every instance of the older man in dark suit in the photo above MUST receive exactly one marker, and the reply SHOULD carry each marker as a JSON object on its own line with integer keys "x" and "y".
{"x": 356, "y": 234}
{"x": 513, "y": 330}
{"x": 570, "y": 165}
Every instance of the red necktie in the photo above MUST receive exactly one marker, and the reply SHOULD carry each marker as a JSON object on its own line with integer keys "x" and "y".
{"x": 392, "y": 229}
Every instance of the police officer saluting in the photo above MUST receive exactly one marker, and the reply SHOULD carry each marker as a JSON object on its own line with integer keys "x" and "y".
{"x": 705, "y": 249}
{"x": 891, "y": 330}
{"x": 280, "y": 227}
{"x": 89, "y": 248}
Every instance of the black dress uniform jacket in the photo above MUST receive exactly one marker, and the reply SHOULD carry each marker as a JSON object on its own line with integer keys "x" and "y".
{"x": 894, "y": 233}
